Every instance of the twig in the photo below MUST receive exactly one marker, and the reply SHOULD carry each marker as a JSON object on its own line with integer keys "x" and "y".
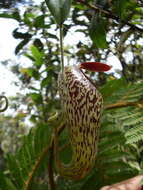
{"x": 61, "y": 48}
{"x": 110, "y": 15}
{"x": 124, "y": 104}
{"x": 52, "y": 184}
{"x": 36, "y": 165}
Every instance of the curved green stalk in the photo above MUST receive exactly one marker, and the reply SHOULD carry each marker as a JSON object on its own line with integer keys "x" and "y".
{"x": 61, "y": 47}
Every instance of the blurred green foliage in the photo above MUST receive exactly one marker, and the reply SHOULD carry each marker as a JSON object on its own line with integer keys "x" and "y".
{"x": 7, "y": 4}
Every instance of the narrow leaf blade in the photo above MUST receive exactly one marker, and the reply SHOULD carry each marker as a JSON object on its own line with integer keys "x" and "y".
{"x": 97, "y": 32}
{"x": 59, "y": 9}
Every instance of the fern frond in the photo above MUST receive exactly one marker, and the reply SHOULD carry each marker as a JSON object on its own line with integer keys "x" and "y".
{"x": 129, "y": 118}
{"x": 24, "y": 164}
{"x": 130, "y": 93}
{"x": 6, "y": 183}
{"x": 134, "y": 134}
{"x": 126, "y": 113}
{"x": 133, "y": 121}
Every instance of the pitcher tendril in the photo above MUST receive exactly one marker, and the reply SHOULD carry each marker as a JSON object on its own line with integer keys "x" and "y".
{"x": 6, "y": 103}
{"x": 82, "y": 107}
{"x": 61, "y": 47}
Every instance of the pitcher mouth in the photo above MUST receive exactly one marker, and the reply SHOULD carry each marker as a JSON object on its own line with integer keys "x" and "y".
{"x": 95, "y": 66}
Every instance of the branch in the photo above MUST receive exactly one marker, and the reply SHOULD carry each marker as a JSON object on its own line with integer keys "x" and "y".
{"x": 35, "y": 167}
{"x": 110, "y": 15}
{"x": 52, "y": 184}
{"x": 124, "y": 104}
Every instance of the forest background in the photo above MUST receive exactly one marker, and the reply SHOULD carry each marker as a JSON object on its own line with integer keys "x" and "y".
{"x": 107, "y": 28}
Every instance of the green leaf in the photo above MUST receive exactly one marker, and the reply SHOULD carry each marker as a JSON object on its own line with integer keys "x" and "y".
{"x": 39, "y": 21}
{"x": 29, "y": 57}
{"x": 59, "y": 9}
{"x": 121, "y": 6}
{"x": 33, "y": 73}
{"x": 21, "y": 45}
{"x": 46, "y": 81}
{"x": 111, "y": 86}
{"x": 15, "y": 15}
{"x": 5, "y": 15}
{"x": 6, "y": 183}
{"x": 20, "y": 35}
{"x": 49, "y": 35}
{"x": 28, "y": 18}
{"x": 37, "y": 98}
{"x": 38, "y": 55}
{"x": 38, "y": 43}
{"x": 97, "y": 32}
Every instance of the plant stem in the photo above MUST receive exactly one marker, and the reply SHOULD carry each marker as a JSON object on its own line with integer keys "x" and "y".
{"x": 61, "y": 48}
{"x": 124, "y": 104}
{"x": 109, "y": 14}
{"x": 52, "y": 185}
